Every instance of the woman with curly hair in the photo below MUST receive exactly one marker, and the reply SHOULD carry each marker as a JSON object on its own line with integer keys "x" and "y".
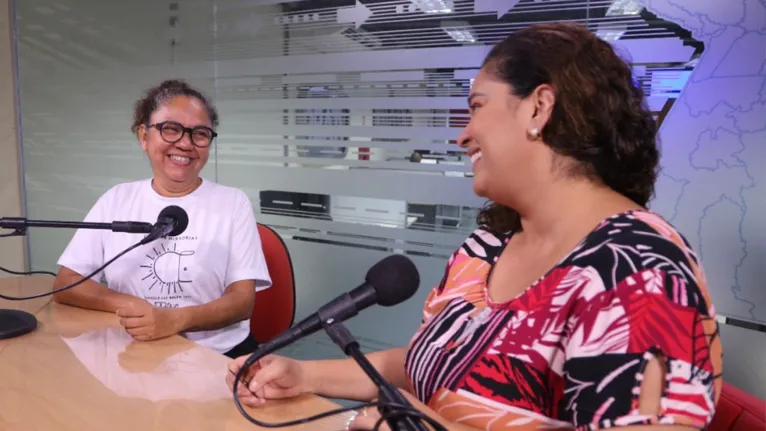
{"x": 572, "y": 306}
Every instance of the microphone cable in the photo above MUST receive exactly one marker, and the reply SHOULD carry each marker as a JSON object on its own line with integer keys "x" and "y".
{"x": 77, "y": 283}
{"x": 12, "y": 272}
{"x": 398, "y": 411}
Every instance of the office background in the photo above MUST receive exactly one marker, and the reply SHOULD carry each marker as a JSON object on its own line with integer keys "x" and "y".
{"x": 338, "y": 119}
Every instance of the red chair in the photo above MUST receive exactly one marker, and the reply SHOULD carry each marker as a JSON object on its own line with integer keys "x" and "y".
{"x": 274, "y": 309}
{"x": 738, "y": 411}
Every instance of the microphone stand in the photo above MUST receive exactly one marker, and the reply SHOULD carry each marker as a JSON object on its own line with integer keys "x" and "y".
{"x": 20, "y": 225}
{"x": 14, "y": 323}
{"x": 387, "y": 393}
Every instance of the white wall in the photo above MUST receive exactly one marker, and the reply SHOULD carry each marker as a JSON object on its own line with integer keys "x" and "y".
{"x": 12, "y": 250}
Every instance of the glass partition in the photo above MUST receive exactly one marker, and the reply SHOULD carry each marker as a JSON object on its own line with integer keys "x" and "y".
{"x": 82, "y": 65}
{"x": 338, "y": 118}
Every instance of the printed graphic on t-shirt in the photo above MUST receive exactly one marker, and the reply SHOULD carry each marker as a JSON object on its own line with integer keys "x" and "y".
{"x": 167, "y": 274}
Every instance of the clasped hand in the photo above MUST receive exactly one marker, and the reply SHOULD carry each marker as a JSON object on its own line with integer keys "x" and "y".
{"x": 145, "y": 322}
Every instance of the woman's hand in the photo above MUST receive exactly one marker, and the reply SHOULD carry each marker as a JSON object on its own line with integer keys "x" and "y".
{"x": 271, "y": 378}
{"x": 145, "y": 322}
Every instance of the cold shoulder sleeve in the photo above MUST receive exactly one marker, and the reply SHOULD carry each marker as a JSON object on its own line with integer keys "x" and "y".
{"x": 644, "y": 296}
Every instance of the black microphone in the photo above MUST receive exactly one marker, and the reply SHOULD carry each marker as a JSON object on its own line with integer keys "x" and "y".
{"x": 389, "y": 282}
{"x": 172, "y": 221}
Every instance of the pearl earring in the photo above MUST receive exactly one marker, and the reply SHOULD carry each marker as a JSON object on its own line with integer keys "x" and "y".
{"x": 534, "y": 132}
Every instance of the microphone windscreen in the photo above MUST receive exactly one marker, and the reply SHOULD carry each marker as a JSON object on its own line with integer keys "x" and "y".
{"x": 395, "y": 279}
{"x": 179, "y": 215}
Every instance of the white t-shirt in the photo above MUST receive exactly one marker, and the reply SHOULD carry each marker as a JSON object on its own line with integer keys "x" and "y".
{"x": 221, "y": 245}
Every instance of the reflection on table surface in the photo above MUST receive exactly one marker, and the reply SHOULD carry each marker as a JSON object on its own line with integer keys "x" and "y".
{"x": 153, "y": 371}
{"x": 80, "y": 371}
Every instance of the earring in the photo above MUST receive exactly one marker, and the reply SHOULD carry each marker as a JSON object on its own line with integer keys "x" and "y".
{"x": 534, "y": 133}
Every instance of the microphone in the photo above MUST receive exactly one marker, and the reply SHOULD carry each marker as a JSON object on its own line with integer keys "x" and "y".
{"x": 172, "y": 221}
{"x": 389, "y": 282}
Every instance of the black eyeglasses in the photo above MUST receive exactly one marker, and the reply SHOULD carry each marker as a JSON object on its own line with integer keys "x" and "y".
{"x": 173, "y": 131}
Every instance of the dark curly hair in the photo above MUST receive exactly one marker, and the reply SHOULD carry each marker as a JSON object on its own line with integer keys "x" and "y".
{"x": 155, "y": 96}
{"x": 600, "y": 118}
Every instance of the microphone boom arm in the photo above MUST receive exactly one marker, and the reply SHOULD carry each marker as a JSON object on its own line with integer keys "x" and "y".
{"x": 387, "y": 393}
{"x": 14, "y": 323}
{"x": 20, "y": 224}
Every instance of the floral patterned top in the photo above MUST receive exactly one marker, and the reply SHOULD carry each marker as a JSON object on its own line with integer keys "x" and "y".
{"x": 569, "y": 352}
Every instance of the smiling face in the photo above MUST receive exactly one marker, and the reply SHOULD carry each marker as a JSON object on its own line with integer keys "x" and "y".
{"x": 502, "y": 138}
{"x": 176, "y": 166}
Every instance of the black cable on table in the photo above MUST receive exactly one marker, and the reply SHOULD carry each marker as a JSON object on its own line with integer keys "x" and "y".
{"x": 77, "y": 283}
{"x": 10, "y": 271}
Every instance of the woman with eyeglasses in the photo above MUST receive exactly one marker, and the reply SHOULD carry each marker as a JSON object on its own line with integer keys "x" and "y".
{"x": 201, "y": 283}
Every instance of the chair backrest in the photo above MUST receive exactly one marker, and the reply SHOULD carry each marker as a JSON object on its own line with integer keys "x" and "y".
{"x": 274, "y": 309}
{"x": 738, "y": 411}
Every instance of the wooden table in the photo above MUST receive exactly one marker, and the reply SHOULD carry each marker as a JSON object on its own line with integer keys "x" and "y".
{"x": 80, "y": 371}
